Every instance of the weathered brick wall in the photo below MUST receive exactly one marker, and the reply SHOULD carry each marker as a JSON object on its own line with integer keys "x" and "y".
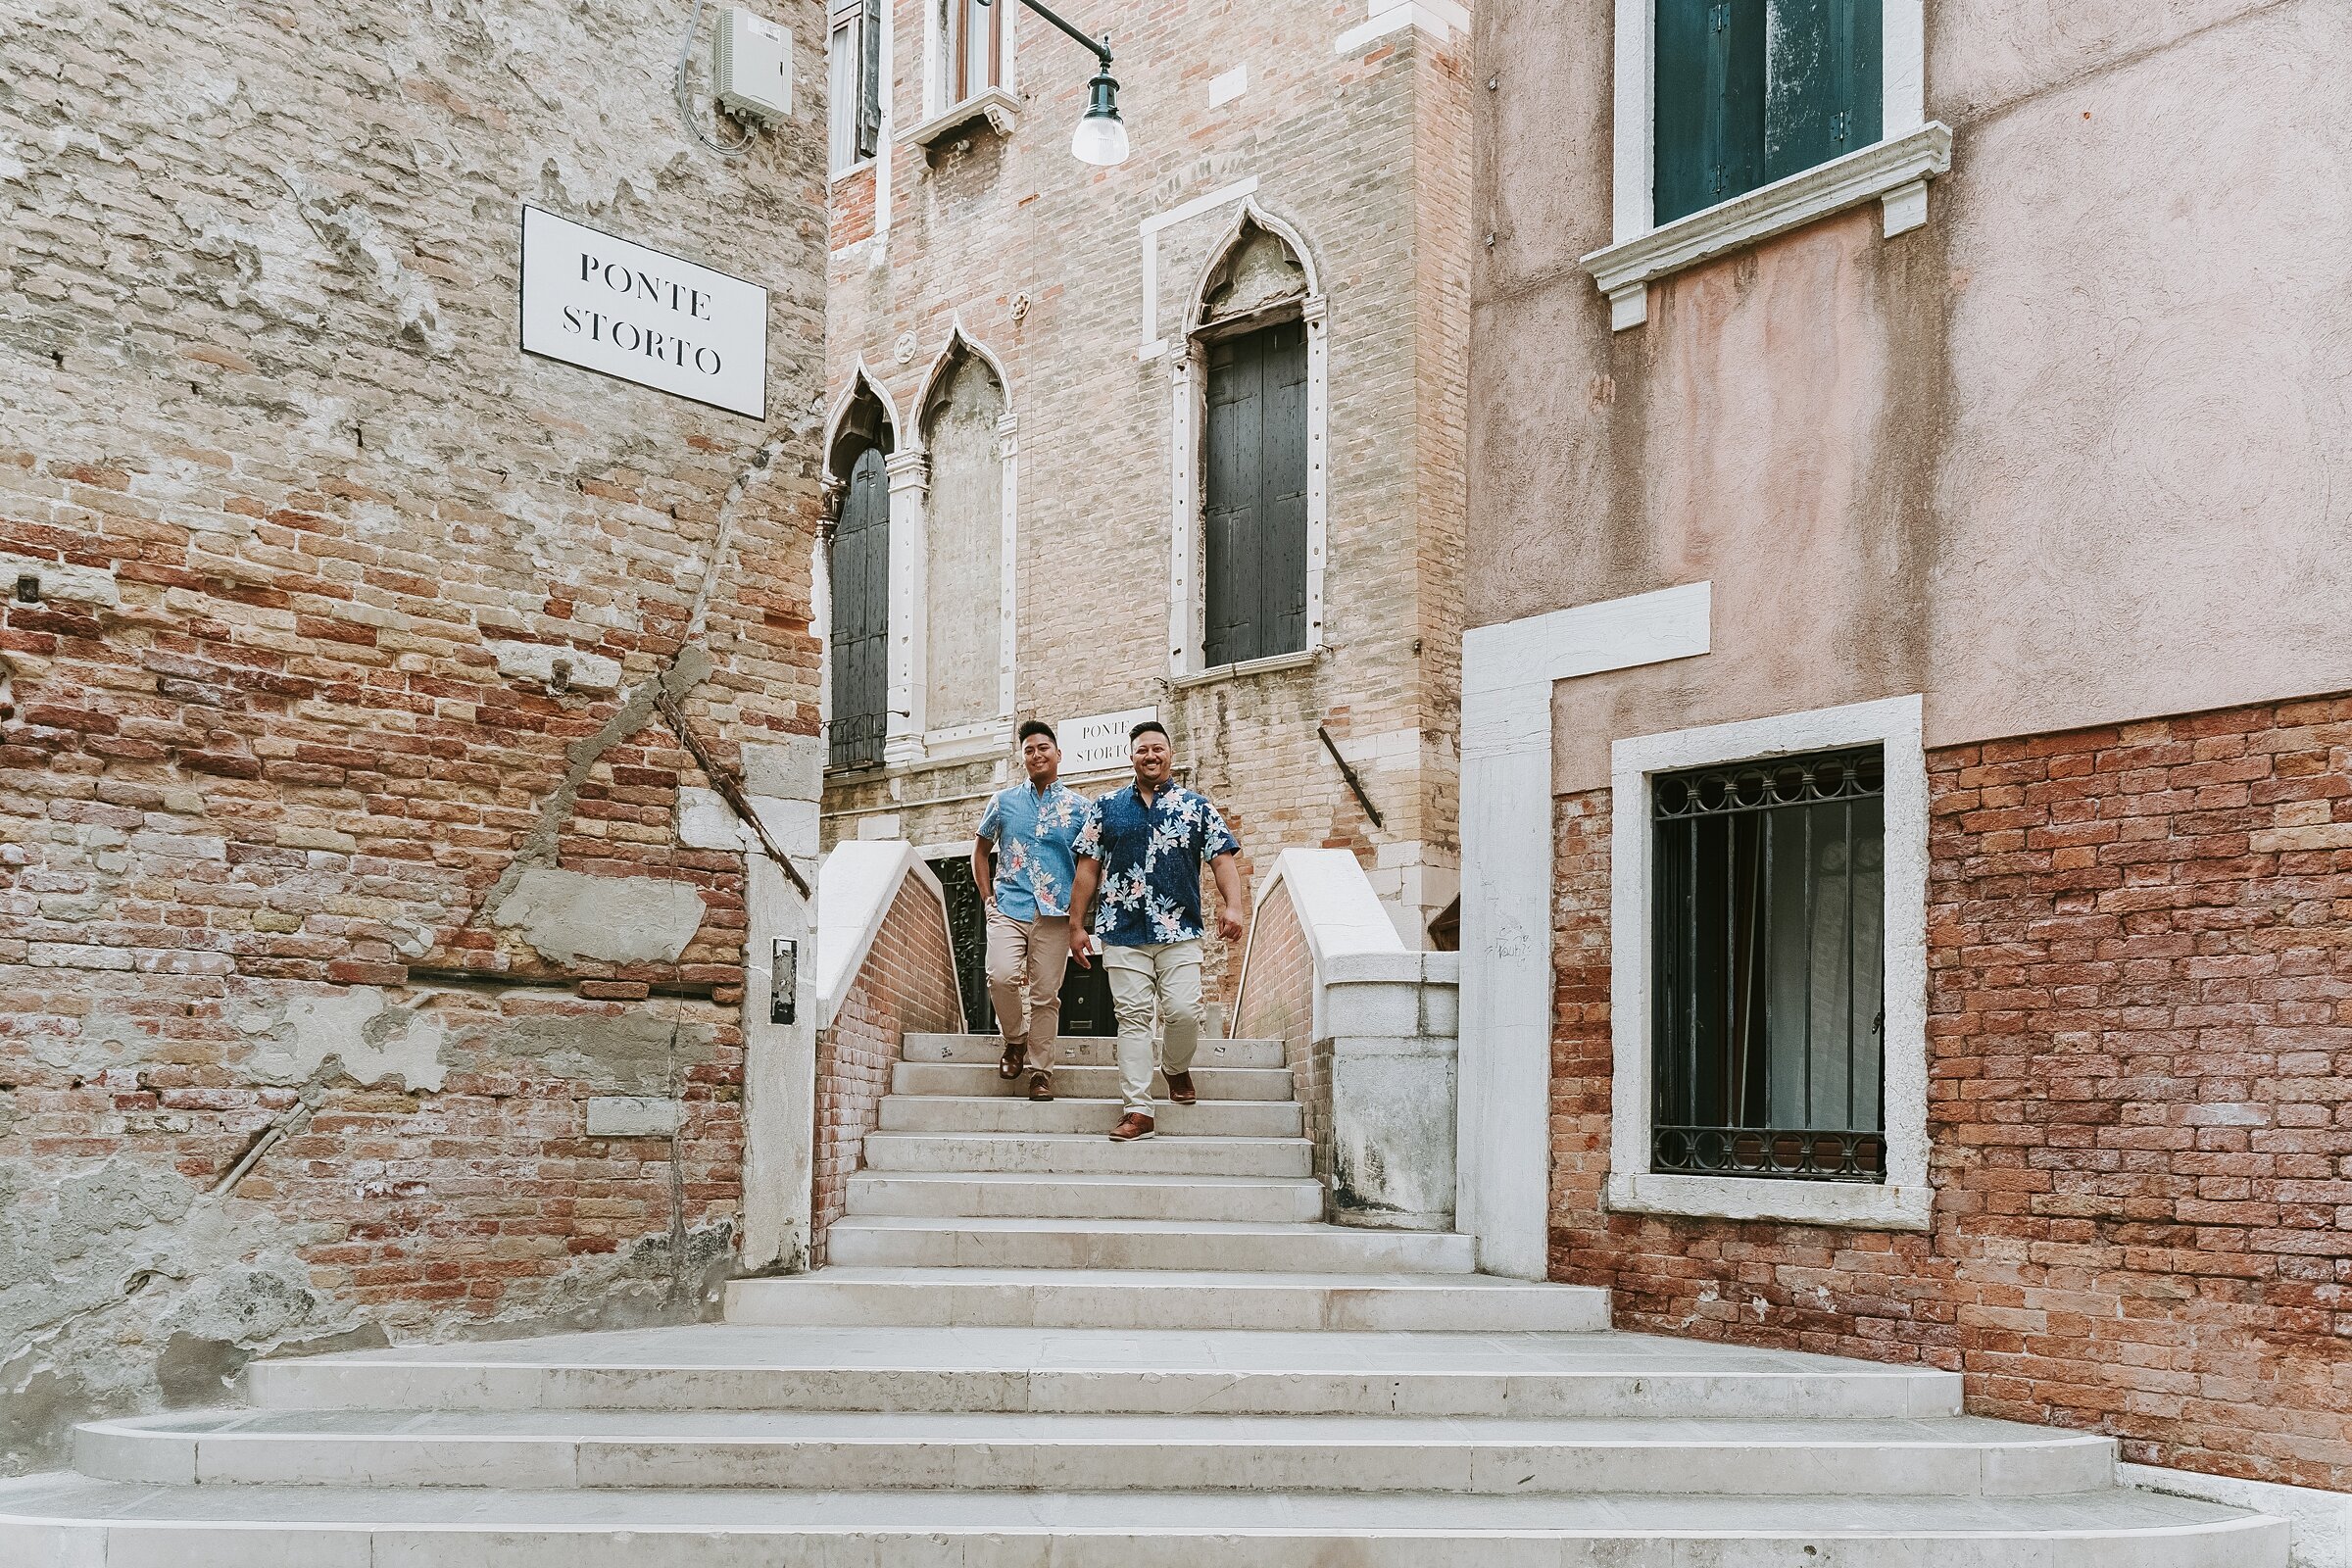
{"x": 2141, "y": 1036}
{"x": 339, "y": 820}
{"x": 1279, "y": 1003}
{"x": 1038, "y": 259}
{"x": 907, "y": 986}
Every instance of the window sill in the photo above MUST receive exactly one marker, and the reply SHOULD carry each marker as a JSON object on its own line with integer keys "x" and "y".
{"x": 1272, "y": 664}
{"x": 1892, "y": 172}
{"x": 1000, "y": 109}
{"x": 849, "y": 170}
{"x": 968, "y": 741}
{"x": 1852, "y": 1205}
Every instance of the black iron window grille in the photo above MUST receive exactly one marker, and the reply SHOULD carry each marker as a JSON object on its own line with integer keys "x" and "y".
{"x": 1768, "y": 970}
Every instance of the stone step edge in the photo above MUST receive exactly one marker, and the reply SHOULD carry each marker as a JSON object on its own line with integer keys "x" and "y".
{"x": 2156, "y": 1537}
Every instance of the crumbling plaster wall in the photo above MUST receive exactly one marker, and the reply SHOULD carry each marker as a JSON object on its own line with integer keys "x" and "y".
{"x": 371, "y": 945}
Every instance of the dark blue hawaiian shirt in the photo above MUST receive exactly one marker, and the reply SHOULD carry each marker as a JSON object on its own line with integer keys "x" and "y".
{"x": 1152, "y": 856}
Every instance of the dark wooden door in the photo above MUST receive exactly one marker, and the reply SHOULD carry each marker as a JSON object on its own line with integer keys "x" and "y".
{"x": 1255, "y": 514}
{"x": 861, "y": 616}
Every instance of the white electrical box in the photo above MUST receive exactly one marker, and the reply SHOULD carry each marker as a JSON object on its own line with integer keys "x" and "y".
{"x": 752, "y": 59}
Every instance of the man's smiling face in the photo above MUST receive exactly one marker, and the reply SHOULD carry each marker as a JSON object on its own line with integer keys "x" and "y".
{"x": 1153, "y": 761}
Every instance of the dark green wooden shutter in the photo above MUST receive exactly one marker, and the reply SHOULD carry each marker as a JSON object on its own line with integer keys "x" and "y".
{"x": 1823, "y": 82}
{"x": 1710, "y": 104}
{"x": 870, "y": 80}
{"x": 1255, "y": 517}
{"x": 860, "y": 586}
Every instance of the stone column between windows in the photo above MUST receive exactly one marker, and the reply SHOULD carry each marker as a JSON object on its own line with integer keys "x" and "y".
{"x": 1183, "y": 521}
{"x": 909, "y": 540}
{"x": 1009, "y": 449}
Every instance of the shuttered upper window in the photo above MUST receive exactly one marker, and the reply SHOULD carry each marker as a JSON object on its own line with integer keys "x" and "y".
{"x": 854, "y": 73}
{"x": 1752, "y": 91}
{"x": 1255, "y": 511}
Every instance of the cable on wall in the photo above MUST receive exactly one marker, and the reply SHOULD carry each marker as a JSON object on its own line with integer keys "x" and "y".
{"x": 684, "y": 92}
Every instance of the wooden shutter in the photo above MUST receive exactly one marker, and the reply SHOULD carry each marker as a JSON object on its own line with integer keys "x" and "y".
{"x": 1254, "y": 521}
{"x": 861, "y": 616}
{"x": 1824, "y": 76}
{"x": 870, "y": 80}
{"x": 1710, "y": 104}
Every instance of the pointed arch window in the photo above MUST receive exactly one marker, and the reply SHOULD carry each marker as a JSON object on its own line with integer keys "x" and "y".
{"x": 857, "y": 585}
{"x": 964, "y": 547}
{"x": 1249, "y": 404}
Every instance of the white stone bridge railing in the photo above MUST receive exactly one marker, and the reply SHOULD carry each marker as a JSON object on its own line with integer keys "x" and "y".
{"x": 1370, "y": 1028}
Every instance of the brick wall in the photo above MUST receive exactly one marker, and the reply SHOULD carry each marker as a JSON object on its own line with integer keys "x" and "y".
{"x": 1279, "y": 1005}
{"x": 2141, "y": 1036}
{"x": 312, "y": 870}
{"x": 907, "y": 986}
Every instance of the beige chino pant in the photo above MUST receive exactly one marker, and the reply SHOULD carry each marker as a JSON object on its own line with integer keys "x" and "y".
{"x": 1025, "y": 958}
{"x": 1156, "y": 983}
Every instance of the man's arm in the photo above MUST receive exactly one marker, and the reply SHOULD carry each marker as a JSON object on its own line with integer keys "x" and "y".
{"x": 984, "y": 869}
{"x": 1083, "y": 878}
{"x": 1227, "y": 869}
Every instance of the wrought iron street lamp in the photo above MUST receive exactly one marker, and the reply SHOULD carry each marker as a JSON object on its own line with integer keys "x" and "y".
{"x": 1101, "y": 135}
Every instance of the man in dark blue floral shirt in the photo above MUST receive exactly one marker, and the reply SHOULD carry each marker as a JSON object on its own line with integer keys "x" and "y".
{"x": 1144, "y": 848}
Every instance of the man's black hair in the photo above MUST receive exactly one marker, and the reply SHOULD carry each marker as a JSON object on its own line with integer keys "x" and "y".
{"x": 1145, "y": 728}
{"x": 1037, "y": 726}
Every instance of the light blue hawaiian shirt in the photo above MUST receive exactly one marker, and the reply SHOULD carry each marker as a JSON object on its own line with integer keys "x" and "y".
{"x": 1035, "y": 834}
{"x": 1152, "y": 854}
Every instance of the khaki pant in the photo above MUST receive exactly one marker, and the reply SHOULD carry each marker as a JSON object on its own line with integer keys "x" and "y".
{"x": 1025, "y": 959}
{"x": 1158, "y": 982}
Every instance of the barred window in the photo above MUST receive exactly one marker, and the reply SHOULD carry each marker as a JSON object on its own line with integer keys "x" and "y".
{"x": 1768, "y": 1022}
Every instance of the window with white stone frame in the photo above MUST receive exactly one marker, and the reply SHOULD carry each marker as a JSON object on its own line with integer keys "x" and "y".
{"x": 1737, "y": 119}
{"x": 1250, "y": 397}
{"x": 1769, "y": 959}
{"x": 853, "y": 70}
{"x": 967, "y": 69}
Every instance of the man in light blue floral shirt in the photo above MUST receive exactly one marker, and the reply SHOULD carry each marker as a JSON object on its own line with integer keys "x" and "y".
{"x": 1143, "y": 849}
{"x": 1023, "y": 862}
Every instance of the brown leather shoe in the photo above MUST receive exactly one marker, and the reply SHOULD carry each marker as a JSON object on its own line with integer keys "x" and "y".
{"x": 1041, "y": 1086}
{"x": 1180, "y": 1088}
{"x": 1132, "y": 1126}
{"x": 1015, "y": 1058}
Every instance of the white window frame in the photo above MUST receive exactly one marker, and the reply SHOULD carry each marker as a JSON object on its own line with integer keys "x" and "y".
{"x": 1894, "y": 172}
{"x": 943, "y": 112}
{"x": 913, "y": 741}
{"x": 1904, "y": 1199}
{"x": 845, "y": 16}
{"x": 1188, "y": 382}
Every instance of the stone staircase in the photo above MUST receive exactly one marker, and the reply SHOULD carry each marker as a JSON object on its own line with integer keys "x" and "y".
{"x": 1037, "y": 1346}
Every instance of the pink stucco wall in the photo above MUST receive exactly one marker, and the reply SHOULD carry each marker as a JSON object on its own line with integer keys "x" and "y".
{"x": 2072, "y": 453}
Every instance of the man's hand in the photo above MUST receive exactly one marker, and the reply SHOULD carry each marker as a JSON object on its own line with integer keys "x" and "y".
{"x": 1228, "y": 876}
{"x": 1080, "y": 940}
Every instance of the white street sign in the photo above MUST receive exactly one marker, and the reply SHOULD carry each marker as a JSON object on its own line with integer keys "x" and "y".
{"x": 607, "y": 303}
{"x": 1098, "y": 743}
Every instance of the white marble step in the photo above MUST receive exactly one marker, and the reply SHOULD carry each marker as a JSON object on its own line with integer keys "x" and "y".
{"x": 1083, "y": 1153}
{"x": 1087, "y": 1298}
{"x": 995, "y": 1114}
{"x": 1010, "y": 1194}
{"x": 1087, "y": 1051}
{"x": 924, "y": 1242}
{"x": 80, "y": 1522}
{"x": 1083, "y": 1082}
{"x": 1109, "y": 1371}
{"x": 834, "y": 1449}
